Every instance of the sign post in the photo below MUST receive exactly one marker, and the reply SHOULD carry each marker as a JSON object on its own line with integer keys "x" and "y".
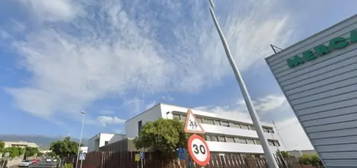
{"x": 82, "y": 155}
{"x": 198, "y": 150}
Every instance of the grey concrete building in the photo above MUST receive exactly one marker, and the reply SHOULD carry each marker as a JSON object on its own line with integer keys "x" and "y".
{"x": 319, "y": 78}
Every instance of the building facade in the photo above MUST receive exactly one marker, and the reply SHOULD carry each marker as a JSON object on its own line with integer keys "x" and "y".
{"x": 223, "y": 134}
{"x": 21, "y": 144}
{"x": 319, "y": 79}
{"x": 102, "y": 139}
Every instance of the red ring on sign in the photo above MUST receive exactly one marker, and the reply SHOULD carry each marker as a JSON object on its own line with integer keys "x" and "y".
{"x": 190, "y": 140}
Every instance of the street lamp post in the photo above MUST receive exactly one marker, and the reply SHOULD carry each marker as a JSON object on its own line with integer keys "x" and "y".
{"x": 80, "y": 136}
{"x": 268, "y": 154}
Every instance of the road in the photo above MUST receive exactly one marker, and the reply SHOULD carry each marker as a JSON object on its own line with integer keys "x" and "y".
{"x": 44, "y": 164}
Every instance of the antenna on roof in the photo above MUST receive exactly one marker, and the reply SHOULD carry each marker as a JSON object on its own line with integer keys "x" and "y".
{"x": 275, "y": 48}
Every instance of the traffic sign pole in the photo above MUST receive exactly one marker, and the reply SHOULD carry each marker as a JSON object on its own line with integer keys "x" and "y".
{"x": 198, "y": 150}
{"x": 268, "y": 154}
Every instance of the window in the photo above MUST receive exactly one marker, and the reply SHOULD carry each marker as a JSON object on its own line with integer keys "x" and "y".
{"x": 208, "y": 121}
{"x": 229, "y": 139}
{"x": 234, "y": 124}
{"x": 257, "y": 142}
{"x": 106, "y": 142}
{"x": 250, "y": 141}
{"x": 176, "y": 116}
{"x": 222, "y": 139}
{"x": 251, "y": 127}
{"x": 240, "y": 140}
{"x": 225, "y": 123}
{"x": 140, "y": 125}
{"x": 268, "y": 130}
{"x": 199, "y": 119}
{"x": 213, "y": 138}
{"x": 207, "y": 138}
{"x": 243, "y": 126}
{"x": 273, "y": 143}
{"x": 217, "y": 122}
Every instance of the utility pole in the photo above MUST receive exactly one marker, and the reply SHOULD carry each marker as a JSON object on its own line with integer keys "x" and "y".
{"x": 267, "y": 152}
{"x": 80, "y": 137}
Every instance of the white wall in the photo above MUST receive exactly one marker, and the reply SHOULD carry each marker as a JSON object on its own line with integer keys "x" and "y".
{"x": 165, "y": 111}
{"x": 101, "y": 137}
{"x": 131, "y": 125}
{"x": 105, "y": 137}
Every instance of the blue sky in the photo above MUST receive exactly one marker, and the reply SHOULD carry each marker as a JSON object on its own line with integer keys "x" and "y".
{"x": 116, "y": 58}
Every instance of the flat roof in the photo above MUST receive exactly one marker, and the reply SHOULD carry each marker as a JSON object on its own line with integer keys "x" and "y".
{"x": 312, "y": 36}
{"x": 203, "y": 113}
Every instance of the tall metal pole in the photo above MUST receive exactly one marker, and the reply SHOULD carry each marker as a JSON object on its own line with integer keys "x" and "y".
{"x": 80, "y": 137}
{"x": 268, "y": 154}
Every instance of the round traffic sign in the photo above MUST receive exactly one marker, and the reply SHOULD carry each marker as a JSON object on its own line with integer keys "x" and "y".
{"x": 198, "y": 150}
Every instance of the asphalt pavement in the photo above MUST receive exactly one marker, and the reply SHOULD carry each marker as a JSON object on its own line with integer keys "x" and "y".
{"x": 44, "y": 164}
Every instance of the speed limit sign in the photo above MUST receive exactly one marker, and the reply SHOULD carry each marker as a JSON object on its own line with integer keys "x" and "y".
{"x": 198, "y": 150}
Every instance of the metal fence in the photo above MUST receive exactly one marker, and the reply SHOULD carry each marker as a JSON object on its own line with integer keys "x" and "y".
{"x": 153, "y": 160}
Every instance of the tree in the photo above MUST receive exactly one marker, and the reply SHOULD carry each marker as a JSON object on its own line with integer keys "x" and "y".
{"x": 315, "y": 160}
{"x": 30, "y": 151}
{"x": 312, "y": 159}
{"x": 162, "y": 135}
{"x": 2, "y": 145}
{"x": 65, "y": 149}
{"x": 14, "y": 151}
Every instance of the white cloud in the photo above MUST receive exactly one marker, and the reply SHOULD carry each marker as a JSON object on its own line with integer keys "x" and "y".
{"x": 293, "y": 135}
{"x": 231, "y": 111}
{"x": 52, "y": 10}
{"x": 70, "y": 72}
{"x": 249, "y": 35}
{"x": 269, "y": 103}
{"x": 110, "y": 120}
{"x": 113, "y": 51}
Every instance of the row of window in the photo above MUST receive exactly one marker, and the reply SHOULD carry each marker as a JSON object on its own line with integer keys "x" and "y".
{"x": 220, "y": 122}
{"x": 236, "y": 139}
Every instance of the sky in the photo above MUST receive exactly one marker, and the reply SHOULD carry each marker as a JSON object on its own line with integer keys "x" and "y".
{"x": 113, "y": 59}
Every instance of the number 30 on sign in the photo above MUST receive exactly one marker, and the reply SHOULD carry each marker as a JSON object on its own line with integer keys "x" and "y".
{"x": 198, "y": 150}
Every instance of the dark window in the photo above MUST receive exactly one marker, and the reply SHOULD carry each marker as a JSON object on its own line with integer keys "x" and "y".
{"x": 140, "y": 125}
{"x": 225, "y": 123}
{"x": 229, "y": 139}
{"x": 222, "y": 139}
{"x": 217, "y": 122}
{"x": 176, "y": 116}
{"x": 250, "y": 141}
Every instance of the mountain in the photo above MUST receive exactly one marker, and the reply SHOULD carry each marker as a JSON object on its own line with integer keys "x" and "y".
{"x": 43, "y": 141}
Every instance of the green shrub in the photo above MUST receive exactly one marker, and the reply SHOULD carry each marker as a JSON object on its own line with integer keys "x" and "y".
{"x": 68, "y": 165}
{"x": 312, "y": 159}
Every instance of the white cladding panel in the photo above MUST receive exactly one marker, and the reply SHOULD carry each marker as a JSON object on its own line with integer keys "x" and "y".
{"x": 323, "y": 94}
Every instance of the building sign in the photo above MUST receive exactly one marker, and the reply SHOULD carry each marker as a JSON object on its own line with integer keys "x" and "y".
{"x": 198, "y": 150}
{"x": 192, "y": 125}
{"x": 84, "y": 149}
{"x": 322, "y": 49}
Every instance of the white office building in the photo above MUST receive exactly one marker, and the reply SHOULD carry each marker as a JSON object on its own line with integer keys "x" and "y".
{"x": 223, "y": 134}
{"x": 21, "y": 144}
{"x": 102, "y": 139}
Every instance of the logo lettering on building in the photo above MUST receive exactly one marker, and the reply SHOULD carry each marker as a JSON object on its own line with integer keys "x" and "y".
{"x": 322, "y": 49}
